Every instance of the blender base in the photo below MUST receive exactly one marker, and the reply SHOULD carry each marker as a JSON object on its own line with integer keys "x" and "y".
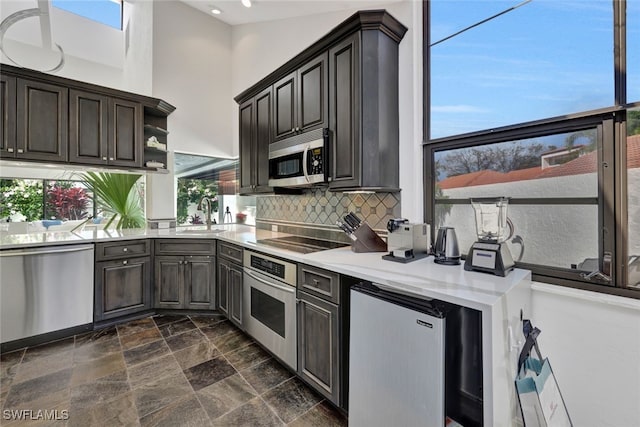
{"x": 492, "y": 258}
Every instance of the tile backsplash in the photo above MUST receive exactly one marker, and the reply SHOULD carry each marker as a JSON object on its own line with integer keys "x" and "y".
{"x": 323, "y": 207}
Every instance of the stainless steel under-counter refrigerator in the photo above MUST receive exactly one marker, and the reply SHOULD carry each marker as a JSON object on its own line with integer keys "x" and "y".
{"x": 412, "y": 362}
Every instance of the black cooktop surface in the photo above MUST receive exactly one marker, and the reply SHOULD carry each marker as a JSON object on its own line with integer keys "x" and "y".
{"x": 301, "y": 244}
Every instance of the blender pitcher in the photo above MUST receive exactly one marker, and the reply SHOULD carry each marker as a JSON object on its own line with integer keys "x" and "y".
{"x": 492, "y": 224}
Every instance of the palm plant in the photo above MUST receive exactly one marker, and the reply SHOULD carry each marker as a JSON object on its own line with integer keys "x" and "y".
{"x": 118, "y": 195}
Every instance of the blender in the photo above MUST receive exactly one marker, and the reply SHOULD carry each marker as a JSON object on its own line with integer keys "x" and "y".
{"x": 490, "y": 254}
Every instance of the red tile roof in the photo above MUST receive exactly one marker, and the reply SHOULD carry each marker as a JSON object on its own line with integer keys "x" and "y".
{"x": 587, "y": 163}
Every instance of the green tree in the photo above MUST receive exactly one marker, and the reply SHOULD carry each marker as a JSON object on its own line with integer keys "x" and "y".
{"x": 633, "y": 122}
{"x": 499, "y": 157}
{"x": 21, "y": 196}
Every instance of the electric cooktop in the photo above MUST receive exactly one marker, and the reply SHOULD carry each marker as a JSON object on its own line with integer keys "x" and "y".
{"x": 304, "y": 245}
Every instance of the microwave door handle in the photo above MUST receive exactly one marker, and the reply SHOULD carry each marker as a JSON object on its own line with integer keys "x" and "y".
{"x": 304, "y": 162}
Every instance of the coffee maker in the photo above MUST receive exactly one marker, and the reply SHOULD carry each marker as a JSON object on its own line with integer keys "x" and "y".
{"x": 407, "y": 241}
{"x": 490, "y": 254}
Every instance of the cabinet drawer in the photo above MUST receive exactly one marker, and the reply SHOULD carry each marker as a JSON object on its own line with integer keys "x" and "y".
{"x": 230, "y": 252}
{"x": 319, "y": 282}
{"x": 185, "y": 247}
{"x": 126, "y": 249}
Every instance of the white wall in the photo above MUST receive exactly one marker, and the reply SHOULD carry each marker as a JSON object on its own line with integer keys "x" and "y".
{"x": 192, "y": 71}
{"x": 260, "y": 48}
{"x": 593, "y": 343}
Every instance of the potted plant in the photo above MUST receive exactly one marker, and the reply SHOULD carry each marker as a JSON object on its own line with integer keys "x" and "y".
{"x": 119, "y": 196}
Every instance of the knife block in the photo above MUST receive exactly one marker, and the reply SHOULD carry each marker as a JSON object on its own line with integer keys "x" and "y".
{"x": 367, "y": 240}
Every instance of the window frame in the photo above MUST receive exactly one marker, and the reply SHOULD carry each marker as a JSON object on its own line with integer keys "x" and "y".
{"x": 612, "y": 171}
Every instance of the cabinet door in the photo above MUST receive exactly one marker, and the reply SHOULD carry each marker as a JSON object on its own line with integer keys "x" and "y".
{"x": 247, "y": 150}
{"x": 169, "y": 282}
{"x": 318, "y": 345}
{"x": 235, "y": 291}
{"x": 344, "y": 113}
{"x": 263, "y": 133}
{"x": 122, "y": 287}
{"x": 223, "y": 287}
{"x": 42, "y": 121}
{"x": 199, "y": 282}
{"x": 88, "y": 127}
{"x": 125, "y": 133}
{"x": 312, "y": 94}
{"x": 284, "y": 107}
{"x": 8, "y": 120}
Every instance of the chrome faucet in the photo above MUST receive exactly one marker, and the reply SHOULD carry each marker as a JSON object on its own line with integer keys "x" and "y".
{"x": 206, "y": 202}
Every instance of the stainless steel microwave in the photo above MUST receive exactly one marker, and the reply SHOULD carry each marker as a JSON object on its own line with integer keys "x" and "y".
{"x": 299, "y": 161}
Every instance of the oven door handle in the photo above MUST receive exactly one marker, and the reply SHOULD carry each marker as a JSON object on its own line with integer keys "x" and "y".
{"x": 304, "y": 162}
{"x": 289, "y": 289}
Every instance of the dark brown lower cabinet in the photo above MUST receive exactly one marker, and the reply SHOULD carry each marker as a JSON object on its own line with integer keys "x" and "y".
{"x": 230, "y": 290}
{"x": 319, "y": 345}
{"x": 185, "y": 282}
{"x": 122, "y": 287}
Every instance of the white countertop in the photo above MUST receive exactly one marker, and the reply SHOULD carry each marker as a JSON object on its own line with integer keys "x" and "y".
{"x": 419, "y": 278}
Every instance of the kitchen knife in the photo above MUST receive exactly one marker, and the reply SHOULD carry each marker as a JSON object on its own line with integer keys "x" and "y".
{"x": 355, "y": 217}
{"x": 353, "y": 223}
{"x": 346, "y": 229}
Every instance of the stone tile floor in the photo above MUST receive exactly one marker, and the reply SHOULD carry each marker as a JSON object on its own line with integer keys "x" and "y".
{"x": 157, "y": 371}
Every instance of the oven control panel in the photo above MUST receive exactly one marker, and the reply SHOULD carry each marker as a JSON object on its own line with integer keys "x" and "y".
{"x": 279, "y": 269}
{"x": 271, "y": 267}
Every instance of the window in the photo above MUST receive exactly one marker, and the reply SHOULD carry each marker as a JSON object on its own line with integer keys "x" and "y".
{"x": 524, "y": 101}
{"x": 552, "y": 184}
{"x": 633, "y": 50}
{"x": 214, "y": 178}
{"x": 108, "y": 12}
{"x": 26, "y": 200}
{"x": 542, "y": 59}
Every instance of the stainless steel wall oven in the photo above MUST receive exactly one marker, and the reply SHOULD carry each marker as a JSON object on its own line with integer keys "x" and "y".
{"x": 269, "y": 300}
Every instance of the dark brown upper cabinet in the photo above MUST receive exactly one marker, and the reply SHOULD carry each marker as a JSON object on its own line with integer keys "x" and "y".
{"x": 53, "y": 119}
{"x": 104, "y": 130}
{"x": 300, "y": 99}
{"x": 88, "y": 127}
{"x": 346, "y": 81}
{"x": 255, "y": 136}
{"x": 363, "y": 112}
{"x": 8, "y": 122}
{"x": 126, "y": 123}
{"x": 41, "y": 121}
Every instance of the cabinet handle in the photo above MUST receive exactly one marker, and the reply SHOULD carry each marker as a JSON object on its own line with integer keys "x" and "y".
{"x": 316, "y": 282}
{"x": 110, "y": 158}
{"x": 10, "y": 150}
{"x": 125, "y": 249}
{"x": 297, "y": 129}
{"x": 104, "y": 158}
{"x": 124, "y": 262}
{"x": 20, "y": 150}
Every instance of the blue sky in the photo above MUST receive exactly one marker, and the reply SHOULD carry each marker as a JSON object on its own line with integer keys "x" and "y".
{"x": 107, "y": 12}
{"x": 544, "y": 59}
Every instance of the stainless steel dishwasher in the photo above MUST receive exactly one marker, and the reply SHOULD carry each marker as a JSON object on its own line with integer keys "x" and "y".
{"x": 44, "y": 290}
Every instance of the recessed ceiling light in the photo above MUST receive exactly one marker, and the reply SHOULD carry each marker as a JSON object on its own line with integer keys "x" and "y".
{"x": 216, "y": 11}
{"x": 246, "y": 3}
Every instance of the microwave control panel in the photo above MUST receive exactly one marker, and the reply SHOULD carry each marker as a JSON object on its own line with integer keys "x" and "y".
{"x": 315, "y": 162}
